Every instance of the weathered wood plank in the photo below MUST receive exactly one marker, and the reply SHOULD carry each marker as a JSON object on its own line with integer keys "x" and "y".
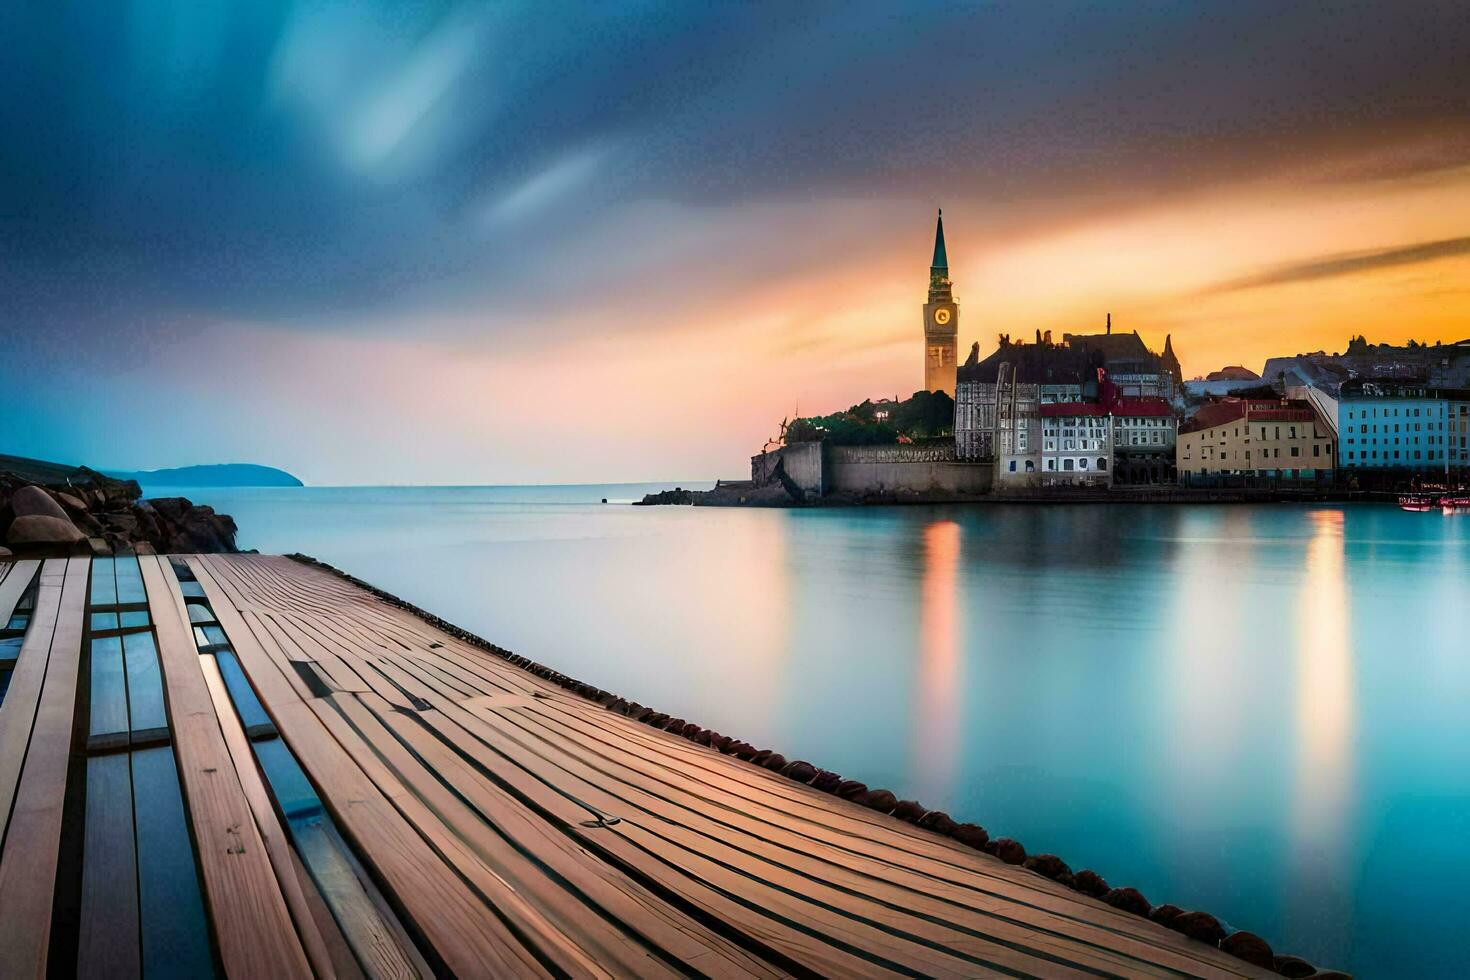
{"x": 266, "y": 821}
{"x": 18, "y": 711}
{"x": 33, "y": 838}
{"x": 251, "y": 921}
{"x": 468, "y": 940}
{"x": 18, "y": 576}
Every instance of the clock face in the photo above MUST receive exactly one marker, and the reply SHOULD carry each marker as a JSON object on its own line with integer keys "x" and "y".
{"x": 941, "y": 316}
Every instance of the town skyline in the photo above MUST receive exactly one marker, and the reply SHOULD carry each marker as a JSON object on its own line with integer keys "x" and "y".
{"x": 408, "y": 276}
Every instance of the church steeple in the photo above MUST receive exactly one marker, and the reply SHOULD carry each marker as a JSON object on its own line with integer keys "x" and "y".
{"x": 941, "y": 259}
{"x": 939, "y": 285}
{"x": 941, "y": 320}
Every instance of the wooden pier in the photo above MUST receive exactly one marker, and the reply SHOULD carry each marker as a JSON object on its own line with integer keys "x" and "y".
{"x": 246, "y": 765}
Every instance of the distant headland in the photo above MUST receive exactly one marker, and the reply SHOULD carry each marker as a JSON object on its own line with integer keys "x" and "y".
{"x": 211, "y": 475}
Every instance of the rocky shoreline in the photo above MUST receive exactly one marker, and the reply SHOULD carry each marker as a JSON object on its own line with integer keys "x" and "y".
{"x": 50, "y": 511}
{"x": 1201, "y": 926}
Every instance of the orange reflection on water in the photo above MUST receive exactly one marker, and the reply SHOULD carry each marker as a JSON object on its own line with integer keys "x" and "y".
{"x": 1324, "y": 714}
{"x": 936, "y": 731}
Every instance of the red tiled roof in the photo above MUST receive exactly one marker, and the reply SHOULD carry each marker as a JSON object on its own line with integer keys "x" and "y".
{"x": 1230, "y": 410}
{"x": 1213, "y": 414}
{"x": 1152, "y": 407}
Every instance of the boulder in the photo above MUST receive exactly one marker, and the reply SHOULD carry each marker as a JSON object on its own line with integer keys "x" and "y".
{"x": 1294, "y": 967}
{"x": 1048, "y": 865}
{"x": 1249, "y": 947}
{"x": 1129, "y": 900}
{"x": 1008, "y": 850}
{"x": 35, "y": 502}
{"x": 1090, "y": 883}
{"x": 1165, "y": 914}
{"x": 1201, "y": 926}
{"x": 40, "y": 530}
{"x": 878, "y": 799}
{"x": 775, "y": 762}
{"x": 850, "y": 789}
{"x": 826, "y": 780}
{"x": 800, "y": 771}
{"x": 910, "y": 810}
{"x": 5, "y": 552}
{"x": 971, "y": 835}
{"x": 69, "y": 501}
{"x": 939, "y": 822}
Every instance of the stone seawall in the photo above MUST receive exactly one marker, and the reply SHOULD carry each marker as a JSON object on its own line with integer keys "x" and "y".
{"x": 900, "y": 471}
{"x": 811, "y": 472}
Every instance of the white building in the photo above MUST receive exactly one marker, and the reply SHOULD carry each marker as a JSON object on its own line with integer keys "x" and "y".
{"x": 1076, "y": 445}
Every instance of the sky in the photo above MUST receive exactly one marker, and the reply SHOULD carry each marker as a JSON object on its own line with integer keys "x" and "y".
{"x": 461, "y": 243}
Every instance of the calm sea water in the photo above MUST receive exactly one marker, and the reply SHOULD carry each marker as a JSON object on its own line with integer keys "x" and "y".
{"x": 1263, "y": 712}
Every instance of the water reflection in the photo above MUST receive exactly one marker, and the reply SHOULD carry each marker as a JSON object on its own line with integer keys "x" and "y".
{"x": 935, "y": 717}
{"x": 1324, "y": 719}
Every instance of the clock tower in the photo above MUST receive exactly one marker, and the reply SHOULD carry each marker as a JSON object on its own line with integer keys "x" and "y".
{"x": 941, "y": 321}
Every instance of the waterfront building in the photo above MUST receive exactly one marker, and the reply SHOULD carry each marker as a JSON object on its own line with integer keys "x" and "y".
{"x": 998, "y": 403}
{"x": 941, "y": 320}
{"x": 1144, "y": 432}
{"x": 1076, "y": 444}
{"x": 1278, "y": 439}
{"x": 1050, "y": 415}
{"x": 1137, "y": 371}
{"x": 1389, "y": 424}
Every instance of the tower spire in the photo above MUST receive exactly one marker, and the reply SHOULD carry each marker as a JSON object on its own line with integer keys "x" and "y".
{"x": 941, "y": 258}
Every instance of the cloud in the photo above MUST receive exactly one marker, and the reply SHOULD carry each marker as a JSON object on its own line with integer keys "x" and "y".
{"x": 546, "y": 188}
{"x": 1345, "y": 264}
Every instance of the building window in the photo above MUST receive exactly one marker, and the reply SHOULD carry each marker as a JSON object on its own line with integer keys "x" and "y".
{"x": 1296, "y": 450}
{"x": 1030, "y": 466}
{"x": 1102, "y": 464}
{"x": 1013, "y": 466}
{"x": 1067, "y": 464}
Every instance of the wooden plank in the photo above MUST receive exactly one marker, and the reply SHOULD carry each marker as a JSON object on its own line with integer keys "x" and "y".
{"x": 108, "y": 942}
{"x": 269, "y": 825}
{"x": 33, "y": 838}
{"x": 1028, "y": 899}
{"x": 701, "y": 825}
{"x": 469, "y": 941}
{"x": 18, "y": 710}
{"x": 18, "y": 577}
{"x": 252, "y": 924}
{"x": 585, "y": 943}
